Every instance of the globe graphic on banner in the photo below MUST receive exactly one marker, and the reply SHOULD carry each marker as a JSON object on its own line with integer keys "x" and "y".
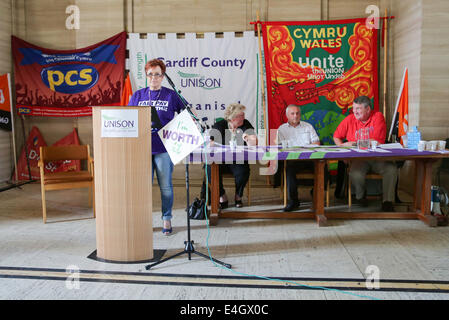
{"x": 325, "y": 123}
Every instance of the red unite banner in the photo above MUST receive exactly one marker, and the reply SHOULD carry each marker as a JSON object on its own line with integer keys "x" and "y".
{"x": 66, "y": 83}
{"x": 322, "y": 66}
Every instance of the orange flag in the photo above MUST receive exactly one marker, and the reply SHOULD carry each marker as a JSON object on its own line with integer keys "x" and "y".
{"x": 403, "y": 109}
{"x": 400, "y": 124}
{"x": 5, "y": 103}
{"x": 126, "y": 92}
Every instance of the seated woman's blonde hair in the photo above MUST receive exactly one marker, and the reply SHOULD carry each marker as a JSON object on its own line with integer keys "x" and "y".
{"x": 232, "y": 110}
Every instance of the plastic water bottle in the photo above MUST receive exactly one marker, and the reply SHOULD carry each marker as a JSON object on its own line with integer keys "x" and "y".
{"x": 435, "y": 200}
{"x": 233, "y": 141}
{"x": 413, "y": 138}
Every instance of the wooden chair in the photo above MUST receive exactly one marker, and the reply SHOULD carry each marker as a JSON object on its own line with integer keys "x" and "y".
{"x": 69, "y": 179}
{"x": 305, "y": 175}
{"x": 369, "y": 176}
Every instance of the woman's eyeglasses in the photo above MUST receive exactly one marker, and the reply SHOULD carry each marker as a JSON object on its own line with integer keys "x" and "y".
{"x": 155, "y": 75}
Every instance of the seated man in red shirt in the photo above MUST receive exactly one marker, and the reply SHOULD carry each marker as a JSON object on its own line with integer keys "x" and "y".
{"x": 364, "y": 117}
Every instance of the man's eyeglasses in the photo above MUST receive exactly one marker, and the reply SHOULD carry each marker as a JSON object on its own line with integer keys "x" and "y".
{"x": 155, "y": 75}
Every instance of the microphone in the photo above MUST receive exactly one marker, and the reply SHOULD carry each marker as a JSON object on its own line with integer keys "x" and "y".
{"x": 178, "y": 92}
{"x": 186, "y": 105}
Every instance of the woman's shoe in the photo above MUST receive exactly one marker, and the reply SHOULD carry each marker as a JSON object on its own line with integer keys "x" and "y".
{"x": 167, "y": 231}
{"x": 238, "y": 203}
{"x": 224, "y": 205}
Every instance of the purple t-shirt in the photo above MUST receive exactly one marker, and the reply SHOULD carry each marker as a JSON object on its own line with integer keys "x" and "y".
{"x": 166, "y": 102}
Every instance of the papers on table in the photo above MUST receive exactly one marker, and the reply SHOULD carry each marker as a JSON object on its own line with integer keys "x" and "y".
{"x": 314, "y": 146}
{"x": 391, "y": 146}
{"x": 308, "y": 146}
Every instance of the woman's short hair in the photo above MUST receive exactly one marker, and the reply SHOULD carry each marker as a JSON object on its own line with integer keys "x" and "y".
{"x": 155, "y": 63}
{"x": 232, "y": 110}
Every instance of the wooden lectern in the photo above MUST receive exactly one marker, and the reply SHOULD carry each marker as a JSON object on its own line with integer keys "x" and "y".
{"x": 123, "y": 199}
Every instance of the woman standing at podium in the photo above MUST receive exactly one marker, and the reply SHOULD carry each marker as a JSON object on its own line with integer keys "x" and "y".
{"x": 167, "y": 103}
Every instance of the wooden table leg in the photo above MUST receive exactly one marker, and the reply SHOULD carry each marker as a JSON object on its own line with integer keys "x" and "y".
{"x": 419, "y": 172}
{"x": 215, "y": 195}
{"x": 318, "y": 193}
{"x": 425, "y": 173}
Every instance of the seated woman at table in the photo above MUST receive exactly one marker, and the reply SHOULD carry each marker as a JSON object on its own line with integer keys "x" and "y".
{"x": 233, "y": 130}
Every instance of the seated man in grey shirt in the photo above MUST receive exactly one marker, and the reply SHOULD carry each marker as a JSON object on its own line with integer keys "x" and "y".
{"x": 295, "y": 133}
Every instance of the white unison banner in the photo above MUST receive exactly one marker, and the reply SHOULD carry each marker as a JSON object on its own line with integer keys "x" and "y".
{"x": 211, "y": 73}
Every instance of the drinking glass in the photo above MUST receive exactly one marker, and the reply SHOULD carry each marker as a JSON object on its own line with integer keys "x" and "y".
{"x": 362, "y": 137}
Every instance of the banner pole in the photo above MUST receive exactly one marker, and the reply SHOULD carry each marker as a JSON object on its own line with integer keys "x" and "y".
{"x": 12, "y": 125}
{"x": 22, "y": 118}
{"x": 262, "y": 81}
{"x": 385, "y": 62}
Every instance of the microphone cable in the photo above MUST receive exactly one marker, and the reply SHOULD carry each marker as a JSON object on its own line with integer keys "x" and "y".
{"x": 256, "y": 276}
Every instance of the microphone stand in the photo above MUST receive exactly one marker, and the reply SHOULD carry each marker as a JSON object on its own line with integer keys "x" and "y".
{"x": 189, "y": 249}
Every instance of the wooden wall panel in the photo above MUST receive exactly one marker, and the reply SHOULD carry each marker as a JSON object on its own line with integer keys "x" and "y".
{"x": 407, "y": 47}
{"x": 6, "y": 155}
{"x": 45, "y": 24}
{"x": 346, "y": 9}
{"x": 98, "y": 21}
{"x": 5, "y": 36}
{"x": 6, "y": 151}
{"x": 189, "y": 16}
{"x": 434, "y": 110}
{"x": 291, "y": 10}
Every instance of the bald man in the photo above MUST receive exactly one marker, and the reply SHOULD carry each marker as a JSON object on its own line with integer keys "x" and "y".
{"x": 297, "y": 133}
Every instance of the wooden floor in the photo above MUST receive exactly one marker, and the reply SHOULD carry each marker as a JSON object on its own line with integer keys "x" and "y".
{"x": 282, "y": 259}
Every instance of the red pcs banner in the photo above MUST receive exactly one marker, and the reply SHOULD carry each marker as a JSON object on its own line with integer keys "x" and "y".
{"x": 66, "y": 83}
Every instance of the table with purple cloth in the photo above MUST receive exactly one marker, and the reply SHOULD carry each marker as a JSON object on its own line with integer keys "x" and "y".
{"x": 269, "y": 155}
